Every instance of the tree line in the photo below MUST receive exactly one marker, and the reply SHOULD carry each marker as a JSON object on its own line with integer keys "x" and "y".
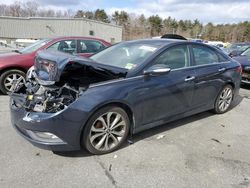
{"x": 31, "y": 9}
{"x": 139, "y": 26}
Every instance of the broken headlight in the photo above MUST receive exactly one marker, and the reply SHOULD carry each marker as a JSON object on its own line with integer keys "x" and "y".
{"x": 46, "y": 71}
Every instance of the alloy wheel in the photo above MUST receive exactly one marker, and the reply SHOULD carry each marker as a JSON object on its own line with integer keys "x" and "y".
{"x": 13, "y": 80}
{"x": 225, "y": 99}
{"x": 107, "y": 131}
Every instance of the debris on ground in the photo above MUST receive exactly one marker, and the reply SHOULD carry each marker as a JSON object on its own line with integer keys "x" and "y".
{"x": 246, "y": 97}
{"x": 130, "y": 142}
{"x": 37, "y": 154}
{"x": 216, "y": 140}
{"x": 160, "y": 136}
{"x": 110, "y": 167}
{"x": 245, "y": 182}
{"x": 222, "y": 125}
{"x": 115, "y": 156}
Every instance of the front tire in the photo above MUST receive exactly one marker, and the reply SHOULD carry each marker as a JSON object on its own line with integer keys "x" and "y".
{"x": 224, "y": 100}
{"x": 9, "y": 79}
{"x": 106, "y": 130}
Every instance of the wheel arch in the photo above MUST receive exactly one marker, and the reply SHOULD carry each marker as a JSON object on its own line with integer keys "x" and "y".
{"x": 120, "y": 104}
{"x": 12, "y": 68}
{"x": 230, "y": 83}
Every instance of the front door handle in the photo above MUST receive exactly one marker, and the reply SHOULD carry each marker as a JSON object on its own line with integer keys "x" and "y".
{"x": 190, "y": 78}
{"x": 222, "y": 69}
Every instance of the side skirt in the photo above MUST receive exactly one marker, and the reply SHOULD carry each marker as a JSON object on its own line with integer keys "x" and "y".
{"x": 170, "y": 119}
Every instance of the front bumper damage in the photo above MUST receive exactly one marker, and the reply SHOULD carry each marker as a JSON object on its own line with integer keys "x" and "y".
{"x": 52, "y": 131}
{"x": 48, "y": 109}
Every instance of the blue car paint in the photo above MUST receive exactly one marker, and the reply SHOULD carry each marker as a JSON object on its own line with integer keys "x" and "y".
{"x": 245, "y": 64}
{"x": 152, "y": 100}
{"x": 243, "y": 60}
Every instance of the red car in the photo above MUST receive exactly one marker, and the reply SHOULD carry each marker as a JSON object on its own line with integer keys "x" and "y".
{"x": 14, "y": 65}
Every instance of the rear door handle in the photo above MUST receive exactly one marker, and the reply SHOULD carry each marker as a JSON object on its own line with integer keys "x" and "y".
{"x": 189, "y": 78}
{"x": 222, "y": 69}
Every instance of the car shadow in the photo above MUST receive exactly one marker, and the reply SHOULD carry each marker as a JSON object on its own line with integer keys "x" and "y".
{"x": 245, "y": 86}
{"x": 144, "y": 134}
{"x": 237, "y": 100}
{"x": 154, "y": 131}
{"x": 178, "y": 123}
{"x": 80, "y": 153}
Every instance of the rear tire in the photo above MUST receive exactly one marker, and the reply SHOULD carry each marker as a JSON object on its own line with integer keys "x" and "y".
{"x": 224, "y": 100}
{"x": 9, "y": 78}
{"x": 106, "y": 130}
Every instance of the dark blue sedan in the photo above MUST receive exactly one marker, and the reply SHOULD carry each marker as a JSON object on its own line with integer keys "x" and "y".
{"x": 69, "y": 103}
{"x": 244, "y": 60}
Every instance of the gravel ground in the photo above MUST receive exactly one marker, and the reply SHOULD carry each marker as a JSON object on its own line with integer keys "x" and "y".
{"x": 204, "y": 150}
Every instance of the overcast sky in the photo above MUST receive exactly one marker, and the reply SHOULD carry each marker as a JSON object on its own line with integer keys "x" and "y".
{"x": 216, "y": 11}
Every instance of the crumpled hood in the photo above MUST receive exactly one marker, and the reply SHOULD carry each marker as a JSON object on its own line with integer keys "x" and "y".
{"x": 243, "y": 60}
{"x": 49, "y": 65}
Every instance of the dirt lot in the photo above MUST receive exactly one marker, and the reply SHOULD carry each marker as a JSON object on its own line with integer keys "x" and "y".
{"x": 204, "y": 150}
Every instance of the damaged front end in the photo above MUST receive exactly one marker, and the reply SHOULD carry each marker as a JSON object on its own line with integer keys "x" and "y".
{"x": 44, "y": 99}
{"x": 56, "y": 80}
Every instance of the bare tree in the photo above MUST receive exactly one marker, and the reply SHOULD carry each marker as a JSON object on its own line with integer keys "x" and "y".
{"x": 30, "y": 8}
{"x": 59, "y": 13}
{"x": 50, "y": 13}
{"x": 4, "y": 10}
{"x": 15, "y": 9}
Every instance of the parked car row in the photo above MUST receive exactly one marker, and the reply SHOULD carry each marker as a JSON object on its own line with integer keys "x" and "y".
{"x": 14, "y": 65}
{"x": 70, "y": 103}
{"x": 231, "y": 49}
{"x": 236, "y": 49}
{"x": 244, "y": 60}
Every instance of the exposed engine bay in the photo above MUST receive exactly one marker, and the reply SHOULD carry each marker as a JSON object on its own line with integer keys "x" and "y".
{"x": 42, "y": 92}
{"x": 45, "y": 99}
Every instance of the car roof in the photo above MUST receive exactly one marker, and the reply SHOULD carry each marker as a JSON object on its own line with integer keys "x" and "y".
{"x": 77, "y": 37}
{"x": 66, "y": 37}
{"x": 155, "y": 42}
{"x": 162, "y": 42}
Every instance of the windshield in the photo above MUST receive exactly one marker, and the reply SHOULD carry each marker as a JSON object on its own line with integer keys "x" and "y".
{"x": 125, "y": 55}
{"x": 246, "y": 53}
{"x": 243, "y": 48}
{"x": 237, "y": 46}
{"x": 33, "y": 47}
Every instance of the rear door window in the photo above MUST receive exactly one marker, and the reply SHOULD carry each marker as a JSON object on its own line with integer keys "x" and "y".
{"x": 67, "y": 46}
{"x": 204, "y": 55}
{"x": 89, "y": 46}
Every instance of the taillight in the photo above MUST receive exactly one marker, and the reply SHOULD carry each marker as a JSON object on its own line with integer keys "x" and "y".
{"x": 239, "y": 69}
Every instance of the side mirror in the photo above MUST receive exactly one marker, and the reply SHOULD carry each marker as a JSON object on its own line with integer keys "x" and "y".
{"x": 157, "y": 70}
{"x": 233, "y": 53}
